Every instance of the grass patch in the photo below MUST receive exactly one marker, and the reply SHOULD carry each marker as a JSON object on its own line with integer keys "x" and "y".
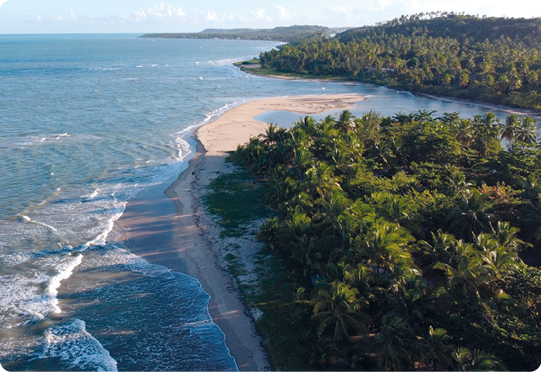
{"x": 254, "y": 61}
{"x": 286, "y": 326}
{"x": 235, "y": 267}
{"x": 235, "y": 200}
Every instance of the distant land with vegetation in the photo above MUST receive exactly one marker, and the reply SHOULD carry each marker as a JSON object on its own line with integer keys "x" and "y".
{"x": 286, "y": 34}
{"x": 489, "y": 59}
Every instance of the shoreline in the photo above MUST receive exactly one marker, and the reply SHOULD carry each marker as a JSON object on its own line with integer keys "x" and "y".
{"x": 535, "y": 114}
{"x": 172, "y": 228}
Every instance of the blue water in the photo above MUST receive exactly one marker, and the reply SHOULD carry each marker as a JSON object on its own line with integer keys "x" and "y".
{"x": 87, "y": 121}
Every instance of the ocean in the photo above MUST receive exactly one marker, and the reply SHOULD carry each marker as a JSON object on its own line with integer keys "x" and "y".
{"x": 87, "y": 122}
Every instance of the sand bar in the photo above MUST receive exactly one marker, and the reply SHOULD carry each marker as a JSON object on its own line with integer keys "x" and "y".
{"x": 237, "y": 125}
{"x": 171, "y": 227}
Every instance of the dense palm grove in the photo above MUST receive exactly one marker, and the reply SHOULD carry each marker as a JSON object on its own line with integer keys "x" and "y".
{"x": 407, "y": 231}
{"x": 490, "y": 59}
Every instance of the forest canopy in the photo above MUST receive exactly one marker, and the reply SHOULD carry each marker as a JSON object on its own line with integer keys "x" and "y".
{"x": 404, "y": 237}
{"x": 490, "y": 59}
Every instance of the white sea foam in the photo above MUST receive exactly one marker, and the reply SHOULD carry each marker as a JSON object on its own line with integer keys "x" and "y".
{"x": 21, "y": 142}
{"x": 65, "y": 269}
{"x": 22, "y": 299}
{"x": 18, "y": 304}
{"x": 72, "y": 343}
{"x": 14, "y": 259}
{"x": 92, "y": 195}
{"x": 223, "y": 62}
{"x": 29, "y": 220}
{"x": 101, "y": 239}
{"x": 183, "y": 148}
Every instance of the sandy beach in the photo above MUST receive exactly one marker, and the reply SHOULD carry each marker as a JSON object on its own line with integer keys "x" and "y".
{"x": 171, "y": 227}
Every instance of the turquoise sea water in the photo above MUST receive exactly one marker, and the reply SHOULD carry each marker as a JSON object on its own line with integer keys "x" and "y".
{"x": 86, "y": 122}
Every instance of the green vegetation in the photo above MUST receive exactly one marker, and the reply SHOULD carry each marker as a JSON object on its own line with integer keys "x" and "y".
{"x": 489, "y": 59}
{"x": 223, "y": 201}
{"x": 287, "y": 34}
{"x": 396, "y": 242}
{"x": 255, "y": 61}
{"x": 286, "y": 328}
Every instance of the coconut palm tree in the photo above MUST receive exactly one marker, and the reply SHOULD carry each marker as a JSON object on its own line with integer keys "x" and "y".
{"x": 437, "y": 349}
{"x": 478, "y": 360}
{"x": 496, "y": 259}
{"x": 463, "y": 130}
{"x": 395, "y": 344}
{"x": 457, "y": 182}
{"x": 346, "y": 122}
{"x": 526, "y": 132}
{"x": 485, "y": 132}
{"x": 397, "y": 209}
{"x": 386, "y": 246}
{"x": 438, "y": 250}
{"x": 368, "y": 127}
{"x": 301, "y": 160}
{"x": 507, "y": 237}
{"x": 509, "y": 131}
{"x": 471, "y": 217}
{"x": 465, "y": 272}
{"x": 320, "y": 179}
{"x": 338, "y": 307}
{"x": 411, "y": 302}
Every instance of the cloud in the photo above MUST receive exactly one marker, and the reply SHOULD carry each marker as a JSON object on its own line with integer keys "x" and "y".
{"x": 258, "y": 14}
{"x": 211, "y": 16}
{"x": 161, "y": 11}
{"x": 278, "y": 13}
{"x": 2, "y": 2}
{"x": 282, "y": 12}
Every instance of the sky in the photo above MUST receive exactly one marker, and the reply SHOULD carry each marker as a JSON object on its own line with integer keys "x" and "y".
{"x": 143, "y": 16}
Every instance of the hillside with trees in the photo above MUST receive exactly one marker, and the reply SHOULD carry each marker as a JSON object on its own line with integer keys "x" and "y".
{"x": 493, "y": 60}
{"x": 286, "y": 34}
{"x": 401, "y": 238}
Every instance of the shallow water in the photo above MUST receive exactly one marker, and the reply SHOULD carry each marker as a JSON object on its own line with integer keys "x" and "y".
{"x": 87, "y": 122}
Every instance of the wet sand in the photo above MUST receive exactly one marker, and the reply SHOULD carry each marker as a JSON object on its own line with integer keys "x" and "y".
{"x": 169, "y": 225}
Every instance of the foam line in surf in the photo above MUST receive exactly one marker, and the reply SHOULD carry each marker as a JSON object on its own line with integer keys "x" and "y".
{"x": 182, "y": 145}
{"x": 65, "y": 270}
{"x": 29, "y": 220}
{"x": 74, "y": 345}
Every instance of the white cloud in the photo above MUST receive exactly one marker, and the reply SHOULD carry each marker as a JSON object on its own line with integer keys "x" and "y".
{"x": 161, "y": 11}
{"x": 72, "y": 16}
{"x": 258, "y": 14}
{"x": 282, "y": 12}
{"x": 278, "y": 13}
{"x": 339, "y": 9}
{"x": 38, "y": 18}
{"x": 2, "y": 2}
{"x": 211, "y": 16}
